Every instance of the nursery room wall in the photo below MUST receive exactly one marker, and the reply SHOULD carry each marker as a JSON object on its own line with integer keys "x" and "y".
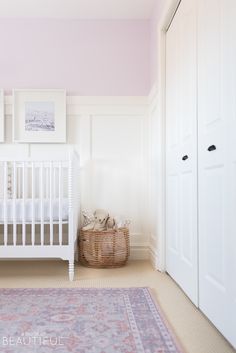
{"x": 106, "y": 73}
{"x": 87, "y": 57}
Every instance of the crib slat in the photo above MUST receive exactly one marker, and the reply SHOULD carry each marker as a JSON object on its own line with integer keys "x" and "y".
{"x": 41, "y": 203}
{"x": 23, "y": 204}
{"x": 50, "y": 202}
{"x": 60, "y": 203}
{"x": 47, "y": 182}
{"x": 54, "y": 183}
{"x": 5, "y": 186}
{"x": 19, "y": 193}
{"x": 14, "y": 201}
{"x": 33, "y": 203}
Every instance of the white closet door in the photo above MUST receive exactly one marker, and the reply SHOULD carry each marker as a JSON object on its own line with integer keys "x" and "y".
{"x": 217, "y": 163}
{"x": 181, "y": 150}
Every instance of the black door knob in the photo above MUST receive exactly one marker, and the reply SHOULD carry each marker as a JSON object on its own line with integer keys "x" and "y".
{"x": 185, "y": 158}
{"x": 211, "y": 148}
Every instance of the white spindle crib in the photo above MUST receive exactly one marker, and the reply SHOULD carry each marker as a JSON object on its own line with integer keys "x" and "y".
{"x": 39, "y": 208}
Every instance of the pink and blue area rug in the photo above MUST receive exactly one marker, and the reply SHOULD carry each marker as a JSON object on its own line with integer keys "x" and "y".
{"x": 83, "y": 321}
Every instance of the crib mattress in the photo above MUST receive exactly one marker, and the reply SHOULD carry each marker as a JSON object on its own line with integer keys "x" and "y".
{"x": 36, "y": 204}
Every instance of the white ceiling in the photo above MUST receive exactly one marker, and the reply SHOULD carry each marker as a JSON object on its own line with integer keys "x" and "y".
{"x": 77, "y": 9}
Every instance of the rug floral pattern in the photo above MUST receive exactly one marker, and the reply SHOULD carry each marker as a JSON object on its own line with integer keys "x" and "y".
{"x": 82, "y": 321}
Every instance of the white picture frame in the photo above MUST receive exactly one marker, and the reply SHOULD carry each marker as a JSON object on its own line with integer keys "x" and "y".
{"x": 39, "y": 116}
{"x": 2, "y": 120}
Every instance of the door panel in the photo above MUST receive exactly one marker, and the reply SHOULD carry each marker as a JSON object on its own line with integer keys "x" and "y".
{"x": 217, "y": 176}
{"x": 181, "y": 141}
{"x": 215, "y": 151}
{"x": 214, "y": 223}
{"x": 186, "y": 217}
{"x": 173, "y": 207}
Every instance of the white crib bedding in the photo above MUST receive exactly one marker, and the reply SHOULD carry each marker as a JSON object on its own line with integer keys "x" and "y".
{"x": 37, "y": 210}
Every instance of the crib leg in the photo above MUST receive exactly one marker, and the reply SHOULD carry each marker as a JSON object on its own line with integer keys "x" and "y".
{"x": 71, "y": 270}
{"x": 77, "y": 256}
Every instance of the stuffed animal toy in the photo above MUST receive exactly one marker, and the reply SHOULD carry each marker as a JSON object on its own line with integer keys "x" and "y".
{"x": 98, "y": 222}
{"x": 111, "y": 223}
{"x": 101, "y": 217}
{"x": 88, "y": 218}
{"x": 89, "y": 226}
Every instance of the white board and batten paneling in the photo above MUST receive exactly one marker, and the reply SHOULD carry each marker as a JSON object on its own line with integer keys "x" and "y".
{"x": 110, "y": 135}
{"x": 201, "y": 124}
{"x": 114, "y": 171}
{"x": 181, "y": 150}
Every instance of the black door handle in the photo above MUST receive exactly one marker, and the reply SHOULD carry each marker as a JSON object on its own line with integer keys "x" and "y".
{"x": 211, "y": 148}
{"x": 184, "y": 158}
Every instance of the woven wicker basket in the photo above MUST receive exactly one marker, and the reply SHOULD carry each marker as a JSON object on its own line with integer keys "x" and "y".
{"x": 104, "y": 249}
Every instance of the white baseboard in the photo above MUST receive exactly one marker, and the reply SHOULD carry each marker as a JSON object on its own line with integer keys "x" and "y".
{"x": 153, "y": 256}
{"x": 139, "y": 252}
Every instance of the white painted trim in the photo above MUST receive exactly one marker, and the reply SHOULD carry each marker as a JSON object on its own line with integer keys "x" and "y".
{"x": 152, "y": 95}
{"x": 79, "y": 105}
{"x": 107, "y": 100}
{"x": 139, "y": 252}
{"x": 153, "y": 256}
{"x": 160, "y": 87}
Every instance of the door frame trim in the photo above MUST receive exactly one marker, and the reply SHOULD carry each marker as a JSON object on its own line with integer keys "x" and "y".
{"x": 163, "y": 25}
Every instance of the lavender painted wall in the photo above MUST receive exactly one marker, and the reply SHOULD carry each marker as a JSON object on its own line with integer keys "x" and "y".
{"x": 157, "y": 13}
{"x": 84, "y": 57}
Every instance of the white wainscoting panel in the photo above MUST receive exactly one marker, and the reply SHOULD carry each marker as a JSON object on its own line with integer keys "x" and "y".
{"x": 111, "y": 136}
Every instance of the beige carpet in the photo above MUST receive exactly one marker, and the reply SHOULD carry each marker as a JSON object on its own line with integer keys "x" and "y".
{"x": 195, "y": 332}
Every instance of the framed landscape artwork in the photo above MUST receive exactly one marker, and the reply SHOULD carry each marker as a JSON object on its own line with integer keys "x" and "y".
{"x": 2, "y": 127}
{"x": 39, "y": 116}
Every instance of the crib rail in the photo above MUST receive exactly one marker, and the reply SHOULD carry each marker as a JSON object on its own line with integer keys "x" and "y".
{"x": 43, "y": 196}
